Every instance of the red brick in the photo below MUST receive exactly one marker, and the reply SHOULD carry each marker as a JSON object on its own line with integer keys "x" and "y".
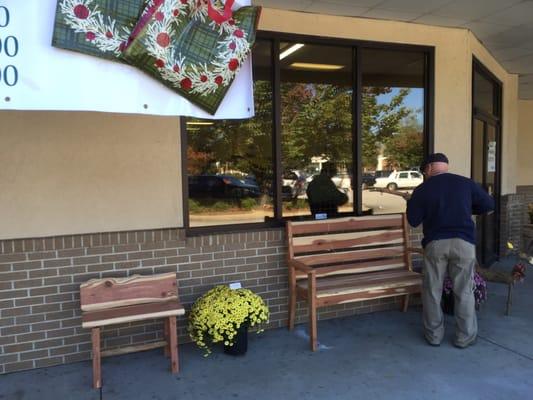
{"x": 9, "y": 258}
{"x": 18, "y": 366}
{"x": 42, "y": 255}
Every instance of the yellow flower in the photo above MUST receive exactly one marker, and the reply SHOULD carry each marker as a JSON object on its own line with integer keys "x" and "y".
{"x": 510, "y": 245}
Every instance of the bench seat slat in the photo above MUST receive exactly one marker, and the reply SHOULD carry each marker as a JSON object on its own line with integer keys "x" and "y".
{"x": 361, "y": 267}
{"x": 331, "y": 300}
{"x": 131, "y": 313}
{"x": 308, "y": 244}
{"x": 373, "y": 282}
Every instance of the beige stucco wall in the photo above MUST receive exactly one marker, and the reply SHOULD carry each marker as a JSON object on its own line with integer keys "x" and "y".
{"x": 66, "y": 173}
{"x": 525, "y": 143}
{"x": 76, "y": 172}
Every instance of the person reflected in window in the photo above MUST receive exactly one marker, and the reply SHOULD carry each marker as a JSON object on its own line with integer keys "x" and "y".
{"x": 323, "y": 195}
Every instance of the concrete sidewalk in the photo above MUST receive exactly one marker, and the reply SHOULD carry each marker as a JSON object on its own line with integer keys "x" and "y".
{"x": 374, "y": 356}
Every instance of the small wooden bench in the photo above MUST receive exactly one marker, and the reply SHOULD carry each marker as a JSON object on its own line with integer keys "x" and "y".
{"x": 348, "y": 260}
{"x": 119, "y": 300}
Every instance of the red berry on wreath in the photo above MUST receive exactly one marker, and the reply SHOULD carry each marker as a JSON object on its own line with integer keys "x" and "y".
{"x": 81, "y": 11}
{"x": 122, "y": 46}
{"x": 238, "y": 33}
{"x": 163, "y": 39}
{"x": 159, "y": 16}
{"x": 231, "y": 22}
{"x": 109, "y": 34}
{"x": 186, "y": 84}
{"x": 159, "y": 63}
{"x": 176, "y": 68}
{"x": 232, "y": 45}
{"x": 183, "y": 1}
{"x": 90, "y": 36}
{"x": 233, "y": 64}
{"x": 203, "y": 78}
{"x": 176, "y": 12}
{"x": 218, "y": 80}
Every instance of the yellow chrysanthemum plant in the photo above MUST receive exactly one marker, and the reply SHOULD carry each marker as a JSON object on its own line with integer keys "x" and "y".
{"x": 217, "y": 315}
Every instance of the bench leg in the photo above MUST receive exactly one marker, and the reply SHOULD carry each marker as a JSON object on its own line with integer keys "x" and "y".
{"x": 173, "y": 344}
{"x": 405, "y": 305}
{"x": 509, "y": 299}
{"x": 165, "y": 332}
{"x": 311, "y": 299}
{"x": 292, "y": 298}
{"x": 97, "y": 371}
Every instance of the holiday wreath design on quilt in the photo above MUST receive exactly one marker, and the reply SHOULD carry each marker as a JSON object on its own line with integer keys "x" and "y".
{"x": 194, "y": 47}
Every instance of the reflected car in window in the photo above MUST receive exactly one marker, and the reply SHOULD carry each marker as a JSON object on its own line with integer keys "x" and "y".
{"x": 221, "y": 186}
{"x": 400, "y": 179}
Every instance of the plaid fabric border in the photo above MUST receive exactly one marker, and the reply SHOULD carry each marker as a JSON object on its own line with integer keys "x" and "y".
{"x": 125, "y": 13}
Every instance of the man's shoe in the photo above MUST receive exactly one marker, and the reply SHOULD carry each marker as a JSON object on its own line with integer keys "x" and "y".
{"x": 465, "y": 345}
{"x": 431, "y": 343}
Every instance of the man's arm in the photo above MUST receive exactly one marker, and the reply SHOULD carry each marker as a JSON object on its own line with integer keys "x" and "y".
{"x": 482, "y": 202}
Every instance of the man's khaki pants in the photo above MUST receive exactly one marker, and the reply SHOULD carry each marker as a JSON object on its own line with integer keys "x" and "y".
{"x": 456, "y": 258}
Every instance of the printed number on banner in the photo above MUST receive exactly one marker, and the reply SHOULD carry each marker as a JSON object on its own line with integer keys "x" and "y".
{"x": 10, "y": 46}
{"x": 4, "y": 17}
{"x": 9, "y": 75}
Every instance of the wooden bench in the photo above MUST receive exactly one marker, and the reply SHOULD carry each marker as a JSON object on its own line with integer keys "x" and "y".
{"x": 348, "y": 260}
{"x": 119, "y": 300}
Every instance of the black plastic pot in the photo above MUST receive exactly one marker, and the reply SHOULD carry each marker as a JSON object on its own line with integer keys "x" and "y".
{"x": 447, "y": 303}
{"x": 240, "y": 342}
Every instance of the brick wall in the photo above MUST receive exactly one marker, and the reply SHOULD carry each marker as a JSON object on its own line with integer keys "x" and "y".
{"x": 512, "y": 209}
{"x": 40, "y": 321}
{"x": 514, "y": 216}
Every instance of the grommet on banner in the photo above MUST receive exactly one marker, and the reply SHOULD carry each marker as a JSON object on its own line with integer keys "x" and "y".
{"x": 145, "y": 106}
{"x": 7, "y": 99}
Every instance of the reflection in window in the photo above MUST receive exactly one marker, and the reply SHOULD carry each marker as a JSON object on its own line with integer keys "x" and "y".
{"x": 392, "y": 126}
{"x": 316, "y": 139}
{"x": 229, "y": 162}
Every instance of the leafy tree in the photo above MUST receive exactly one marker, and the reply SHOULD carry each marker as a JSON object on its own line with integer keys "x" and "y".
{"x": 316, "y": 121}
{"x": 404, "y": 149}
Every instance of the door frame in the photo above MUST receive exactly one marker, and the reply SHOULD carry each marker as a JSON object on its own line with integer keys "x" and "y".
{"x": 497, "y": 121}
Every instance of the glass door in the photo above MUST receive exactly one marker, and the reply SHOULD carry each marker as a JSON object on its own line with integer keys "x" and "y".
{"x": 486, "y": 139}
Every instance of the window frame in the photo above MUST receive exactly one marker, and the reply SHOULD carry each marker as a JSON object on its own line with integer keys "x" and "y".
{"x": 357, "y": 46}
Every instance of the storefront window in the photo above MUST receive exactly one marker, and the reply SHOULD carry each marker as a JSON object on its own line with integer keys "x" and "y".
{"x": 392, "y": 127}
{"x": 232, "y": 164}
{"x": 316, "y": 118}
{"x": 229, "y": 162}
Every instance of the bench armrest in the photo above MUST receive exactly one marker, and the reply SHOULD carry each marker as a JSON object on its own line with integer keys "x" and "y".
{"x": 300, "y": 266}
{"x": 415, "y": 250}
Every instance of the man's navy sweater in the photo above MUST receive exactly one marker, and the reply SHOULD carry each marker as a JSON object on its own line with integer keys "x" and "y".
{"x": 445, "y": 204}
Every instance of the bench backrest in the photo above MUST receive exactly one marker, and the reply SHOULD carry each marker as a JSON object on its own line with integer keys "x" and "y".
{"x": 101, "y": 294}
{"x": 350, "y": 245}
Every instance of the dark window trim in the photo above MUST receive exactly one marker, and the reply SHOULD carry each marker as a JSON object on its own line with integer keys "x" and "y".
{"x": 357, "y": 45}
{"x": 497, "y": 121}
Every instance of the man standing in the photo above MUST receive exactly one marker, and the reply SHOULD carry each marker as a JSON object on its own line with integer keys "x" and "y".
{"x": 444, "y": 204}
{"x": 323, "y": 195}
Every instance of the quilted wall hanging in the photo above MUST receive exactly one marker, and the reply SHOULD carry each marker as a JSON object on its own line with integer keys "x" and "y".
{"x": 194, "y": 47}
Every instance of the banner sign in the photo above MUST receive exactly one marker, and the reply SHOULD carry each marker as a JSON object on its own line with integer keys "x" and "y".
{"x": 36, "y": 76}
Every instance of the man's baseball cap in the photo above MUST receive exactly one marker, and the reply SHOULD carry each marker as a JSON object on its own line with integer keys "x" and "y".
{"x": 435, "y": 157}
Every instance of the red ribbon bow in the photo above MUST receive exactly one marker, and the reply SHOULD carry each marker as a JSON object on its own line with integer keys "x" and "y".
{"x": 216, "y": 16}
